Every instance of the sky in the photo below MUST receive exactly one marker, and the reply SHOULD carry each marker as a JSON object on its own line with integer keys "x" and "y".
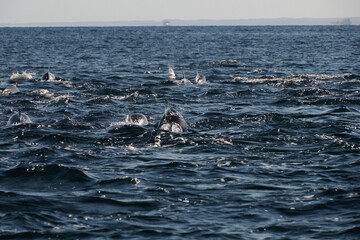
{"x": 41, "y": 11}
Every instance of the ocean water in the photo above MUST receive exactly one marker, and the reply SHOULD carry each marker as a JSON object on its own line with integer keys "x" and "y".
{"x": 272, "y": 152}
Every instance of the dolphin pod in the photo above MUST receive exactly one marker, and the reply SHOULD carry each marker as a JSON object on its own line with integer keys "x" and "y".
{"x": 184, "y": 81}
{"x": 171, "y": 120}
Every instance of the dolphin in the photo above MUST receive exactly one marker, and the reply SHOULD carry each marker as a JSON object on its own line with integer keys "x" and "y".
{"x": 18, "y": 119}
{"x": 48, "y": 76}
{"x": 12, "y": 89}
{"x": 184, "y": 81}
{"x": 173, "y": 121}
{"x": 171, "y": 74}
{"x": 200, "y": 79}
{"x": 137, "y": 119}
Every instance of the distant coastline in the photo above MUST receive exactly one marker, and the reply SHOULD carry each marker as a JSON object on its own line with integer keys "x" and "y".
{"x": 200, "y": 22}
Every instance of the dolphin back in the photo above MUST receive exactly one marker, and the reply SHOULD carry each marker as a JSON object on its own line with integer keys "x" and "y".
{"x": 48, "y": 76}
{"x": 18, "y": 119}
{"x": 173, "y": 121}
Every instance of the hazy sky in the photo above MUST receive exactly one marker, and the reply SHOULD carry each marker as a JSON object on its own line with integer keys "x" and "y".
{"x": 32, "y": 11}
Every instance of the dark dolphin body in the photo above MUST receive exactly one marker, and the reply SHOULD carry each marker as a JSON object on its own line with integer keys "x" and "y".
{"x": 48, "y": 76}
{"x": 18, "y": 119}
{"x": 136, "y": 118}
{"x": 173, "y": 121}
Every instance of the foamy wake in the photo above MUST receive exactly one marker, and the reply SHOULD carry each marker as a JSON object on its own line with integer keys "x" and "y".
{"x": 22, "y": 76}
{"x": 121, "y": 123}
{"x": 62, "y": 98}
{"x": 43, "y": 92}
{"x": 294, "y": 79}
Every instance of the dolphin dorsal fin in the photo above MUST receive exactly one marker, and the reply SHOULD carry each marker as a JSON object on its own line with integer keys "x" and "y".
{"x": 128, "y": 117}
{"x": 167, "y": 105}
{"x": 197, "y": 77}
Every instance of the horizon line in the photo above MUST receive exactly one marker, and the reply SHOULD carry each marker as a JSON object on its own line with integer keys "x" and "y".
{"x": 186, "y": 22}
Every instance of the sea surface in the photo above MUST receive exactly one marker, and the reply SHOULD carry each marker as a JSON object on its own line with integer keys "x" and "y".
{"x": 272, "y": 152}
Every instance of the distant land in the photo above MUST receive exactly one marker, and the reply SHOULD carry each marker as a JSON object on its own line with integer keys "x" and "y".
{"x": 200, "y": 22}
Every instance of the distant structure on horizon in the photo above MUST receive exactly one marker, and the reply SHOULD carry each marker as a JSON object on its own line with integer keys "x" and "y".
{"x": 198, "y": 22}
{"x": 345, "y": 21}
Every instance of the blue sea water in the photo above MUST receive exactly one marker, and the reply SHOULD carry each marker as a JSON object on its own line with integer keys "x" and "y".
{"x": 272, "y": 152}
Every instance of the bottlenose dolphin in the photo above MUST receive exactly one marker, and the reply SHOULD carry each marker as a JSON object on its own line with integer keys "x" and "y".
{"x": 136, "y": 118}
{"x": 184, "y": 81}
{"x": 200, "y": 79}
{"x": 12, "y": 89}
{"x": 171, "y": 74}
{"x": 18, "y": 119}
{"x": 173, "y": 121}
{"x": 48, "y": 76}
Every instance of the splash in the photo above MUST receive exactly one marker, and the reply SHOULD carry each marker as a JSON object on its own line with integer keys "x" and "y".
{"x": 22, "y": 76}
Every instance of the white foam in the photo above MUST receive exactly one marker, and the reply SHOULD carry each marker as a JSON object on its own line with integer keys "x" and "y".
{"x": 121, "y": 123}
{"x": 221, "y": 141}
{"x": 65, "y": 83}
{"x": 62, "y": 98}
{"x": 313, "y": 79}
{"x": 42, "y": 92}
{"x": 22, "y": 76}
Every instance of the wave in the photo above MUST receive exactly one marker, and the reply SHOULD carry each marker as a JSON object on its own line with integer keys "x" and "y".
{"x": 71, "y": 124}
{"x": 119, "y": 181}
{"x": 44, "y": 174}
{"x": 273, "y": 149}
{"x": 130, "y": 205}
